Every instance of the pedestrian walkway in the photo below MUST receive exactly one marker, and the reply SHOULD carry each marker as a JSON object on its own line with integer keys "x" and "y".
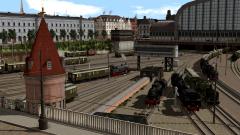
{"x": 19, "y": 123}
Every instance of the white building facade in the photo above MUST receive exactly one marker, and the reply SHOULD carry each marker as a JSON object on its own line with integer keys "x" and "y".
{"x": 22, "y": 23}
{"x": 111, "y": 22}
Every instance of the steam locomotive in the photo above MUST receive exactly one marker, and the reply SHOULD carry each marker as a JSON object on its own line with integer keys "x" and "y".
{"x": 203, "y": 87}
{"x": 155, "y": 92}
{"x": 189, "y": 97}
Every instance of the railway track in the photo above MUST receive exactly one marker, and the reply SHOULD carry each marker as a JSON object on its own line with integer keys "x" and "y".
{"x": 229, "y": 122}
{"x": 226, "y": 90}
{"x": 104, "y": 97}
{"x": 93, "y": 87}
{"x": 235, "y": 69}
{"x": 100, "y": 92}
{"x": 129, "y": 62}
{"x": 200, "y": 124}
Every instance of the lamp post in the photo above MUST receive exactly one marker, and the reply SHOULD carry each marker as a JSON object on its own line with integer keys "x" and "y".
{"x": 214, "y": 98}
{"x": 109, "y": 74}
{"x": 43, "y": 123}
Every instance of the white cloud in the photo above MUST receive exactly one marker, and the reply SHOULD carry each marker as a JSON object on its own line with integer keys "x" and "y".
{"x": 64, "y": 7}
{"x": 155, "y": 11}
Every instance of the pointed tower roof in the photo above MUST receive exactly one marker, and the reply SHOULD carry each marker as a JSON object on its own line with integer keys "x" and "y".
{"x": 43, "y": 46}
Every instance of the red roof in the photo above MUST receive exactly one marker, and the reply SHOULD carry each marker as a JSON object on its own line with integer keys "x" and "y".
{"x": 50, "y": 59}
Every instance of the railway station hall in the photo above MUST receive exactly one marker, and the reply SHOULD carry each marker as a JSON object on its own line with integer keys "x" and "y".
{"x": 213, "y": 23}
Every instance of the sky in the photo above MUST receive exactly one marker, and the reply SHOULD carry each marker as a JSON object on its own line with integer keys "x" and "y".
{"x": 90, "y": 8}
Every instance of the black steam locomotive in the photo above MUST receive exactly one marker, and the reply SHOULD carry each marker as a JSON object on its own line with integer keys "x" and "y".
{"x": 189, "y": 97}
{"x": 154, "y": 94}
{"x": 203, "y": 87}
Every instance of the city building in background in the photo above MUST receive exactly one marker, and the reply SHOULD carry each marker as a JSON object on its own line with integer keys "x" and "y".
{"x": 105, "y": 23}
{"x": 143, "y": 27}
{"x": 134, "y": 26}
{"x": 60, "y": 26}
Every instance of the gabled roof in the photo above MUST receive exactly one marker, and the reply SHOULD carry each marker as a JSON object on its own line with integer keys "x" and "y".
{"x": 44, "y": 44}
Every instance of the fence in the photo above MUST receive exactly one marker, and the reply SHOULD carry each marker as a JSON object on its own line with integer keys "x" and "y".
{"x": 103, "y": 124}
{"x": 106, "y": 124}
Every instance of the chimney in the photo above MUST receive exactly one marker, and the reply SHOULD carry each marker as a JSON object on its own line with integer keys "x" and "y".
{"x": 144, "y": 17}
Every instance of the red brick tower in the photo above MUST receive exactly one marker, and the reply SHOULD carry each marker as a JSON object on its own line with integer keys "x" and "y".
{"x": 44, "y": 60}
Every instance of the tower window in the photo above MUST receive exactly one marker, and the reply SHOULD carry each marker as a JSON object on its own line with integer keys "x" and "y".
{"x": 49, "y": 64}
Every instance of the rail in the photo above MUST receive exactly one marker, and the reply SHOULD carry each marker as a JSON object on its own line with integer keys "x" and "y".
{"x": 235, "y": 69}
{"x": 94, "y": 122}
{"x": 229, "y": 90}
{"x": 199, "y": 124}
{"x": 227, "y": 120}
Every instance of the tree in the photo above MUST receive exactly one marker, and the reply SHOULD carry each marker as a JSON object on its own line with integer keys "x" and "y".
{"x": 73, "y": 34}
{"x": 109, "y": 45}
{"x": 12, "y": 35}
{"x": 63, "y": 34}
{"x": 31, "y": 36}
{"x": 104, "y": 34}
{"x": 96, "y": 34}
{"x": 4, "y": 36}
{"x": 81, "y": 33}
{"x": 90, "y": 34}
{"x": 53, "y": 33}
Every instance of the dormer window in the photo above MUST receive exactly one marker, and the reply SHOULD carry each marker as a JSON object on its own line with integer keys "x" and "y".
{"x": 49, "y": 64}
